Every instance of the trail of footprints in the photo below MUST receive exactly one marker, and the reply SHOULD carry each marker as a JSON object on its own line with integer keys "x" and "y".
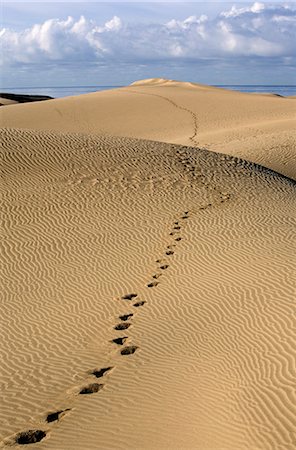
{"x": 123, "y": 324}
{"x": 196, "y": 174}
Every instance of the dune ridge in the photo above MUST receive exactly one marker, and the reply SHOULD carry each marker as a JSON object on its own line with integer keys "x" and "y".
{"x": 257, "y": 128}
{"x": 97, "y": 228}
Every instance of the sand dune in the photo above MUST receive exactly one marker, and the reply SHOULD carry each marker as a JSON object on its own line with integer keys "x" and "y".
{"x": 258, "y": 128}
{"x": 149, "y": 287}
{"x": 7, "y": 101}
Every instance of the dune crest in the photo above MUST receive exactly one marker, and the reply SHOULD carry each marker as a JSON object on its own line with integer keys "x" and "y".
{"x": 167, "y": 82}
{"x": 151, "y": 81}
{"x": 257, "y": 128}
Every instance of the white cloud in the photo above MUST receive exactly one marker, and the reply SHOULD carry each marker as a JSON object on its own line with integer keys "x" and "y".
{"x": 235, "y": 11}
{"x": 254, "y": 31}
{"x": 187, "y": 23}
{"x": 113, "y": 24}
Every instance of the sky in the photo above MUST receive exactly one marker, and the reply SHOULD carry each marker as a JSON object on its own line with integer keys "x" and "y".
{"x": 84, "y": 43}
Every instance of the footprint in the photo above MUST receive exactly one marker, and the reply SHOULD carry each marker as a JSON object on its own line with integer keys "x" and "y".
{"x": 178, "y": 239}
{"x": 129, "y": 350}
{"x": 185, "y": 217}
{"x": 91, "y": 388}
{"x": 30, "y": 437}
{"x": 129, "y": 296}
{"x": 120, "y": 340}
{"x": 169, "y": 252}
{"x": 164, "y": 266}
{"x": 125, "y": 316}
{"x": 176, "y": 223}
{"x": 52, "y": 417}
{"x": 161, "y": 261}
{"x": 156, "y": 275}
{"x": 153, "y": 284}
{"x": 177, "y": 227}
{"x": 136, "y": 305}
{"x": 101, "y": 372}
{"x": 122, "y": 326}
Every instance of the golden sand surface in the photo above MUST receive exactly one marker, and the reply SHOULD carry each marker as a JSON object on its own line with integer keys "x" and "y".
{"x": 148, "y": 293}
{"x": 259, "y": 128}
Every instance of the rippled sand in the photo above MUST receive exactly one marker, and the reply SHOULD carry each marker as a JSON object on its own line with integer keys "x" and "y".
{"x": 148, "y": 296}
{"x": 258, "y": 128}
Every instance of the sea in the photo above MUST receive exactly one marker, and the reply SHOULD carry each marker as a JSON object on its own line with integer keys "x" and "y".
{"x": 65, "y": 91}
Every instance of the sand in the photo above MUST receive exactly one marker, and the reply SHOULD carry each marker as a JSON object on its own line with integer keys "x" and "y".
{"x": 148, "y": 288}
{"x": 7, "y": 101}
{"x": 258, "y": 128}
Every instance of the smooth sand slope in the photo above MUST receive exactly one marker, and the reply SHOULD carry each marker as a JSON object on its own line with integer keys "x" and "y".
{"x": 258, "y": 128}
{"x": 148, "y": 292}
{"x": 7, "y": 101}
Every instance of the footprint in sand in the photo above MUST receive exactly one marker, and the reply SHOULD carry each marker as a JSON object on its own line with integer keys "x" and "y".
{"x": 156, "y": 276}
{"x": 91, "y": 388}
{"x": 169, "y": 252}
{"x": 177, "y": 227}
{"x": 122, "y": 326}
{"x": 178, "y": 239}
{"x": 129, "y": 296}
{"x": 129, "y": 350}
{"x": 152, "y": 284}
{"x": 125, "y": 316}
{"x": 164, "y": 266}
{"x": 141, "y": 303}
{"x": 30, "y": 437}
{"x": 98, "y": 373}
{"x": 120, "y": 340}
{"x": 57, "y": 415}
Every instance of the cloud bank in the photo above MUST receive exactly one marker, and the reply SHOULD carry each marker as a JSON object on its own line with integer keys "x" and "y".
{"x": 257, "y": 31}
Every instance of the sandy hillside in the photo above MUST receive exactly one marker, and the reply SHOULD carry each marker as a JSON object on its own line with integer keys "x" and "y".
{"x": 149, "y": 289}
{"x": 7, "y": 101}
{"x": 259, "y": 128}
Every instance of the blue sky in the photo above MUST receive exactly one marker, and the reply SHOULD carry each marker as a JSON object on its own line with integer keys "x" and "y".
{"x": 113, "y": 43}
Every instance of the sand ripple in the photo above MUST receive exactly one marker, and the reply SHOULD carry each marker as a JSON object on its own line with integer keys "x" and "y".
{"x": 186, "y": 255}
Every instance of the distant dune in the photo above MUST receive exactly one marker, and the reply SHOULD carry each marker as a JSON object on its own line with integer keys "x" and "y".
{"x": 148, "y": 284}
{"x": 9, "y": 99}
